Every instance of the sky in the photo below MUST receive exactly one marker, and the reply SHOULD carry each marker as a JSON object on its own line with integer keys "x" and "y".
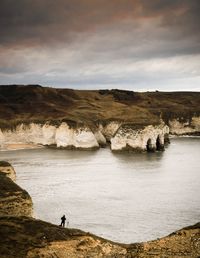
{"x": 101, "y": 44}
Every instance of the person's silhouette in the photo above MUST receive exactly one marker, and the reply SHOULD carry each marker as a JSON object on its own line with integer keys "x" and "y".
{"x": 63, "y": 221}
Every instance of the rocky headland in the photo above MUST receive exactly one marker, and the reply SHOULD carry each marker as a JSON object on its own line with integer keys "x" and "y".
{"x": 14, "y": 200}
{"x": 23, "y": 236}
{"x": 73, "y": 119}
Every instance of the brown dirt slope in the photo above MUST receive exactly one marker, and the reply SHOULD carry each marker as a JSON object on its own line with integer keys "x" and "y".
{"x": 184, "y": 243}
{"x": 28, "y": 237}
{"x": 19, "y": 103}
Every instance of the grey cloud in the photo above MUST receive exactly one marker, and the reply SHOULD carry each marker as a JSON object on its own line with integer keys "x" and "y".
{"x": 42, "y": 22}
{"x": 100, "y": 43}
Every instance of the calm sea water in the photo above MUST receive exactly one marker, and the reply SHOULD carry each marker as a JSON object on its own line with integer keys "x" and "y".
{"x": 125, "y": 197}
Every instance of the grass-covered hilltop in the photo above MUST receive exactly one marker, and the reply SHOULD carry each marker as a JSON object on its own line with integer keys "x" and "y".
{"x": 36, "y": 103}
{"x": 83, "y": 119}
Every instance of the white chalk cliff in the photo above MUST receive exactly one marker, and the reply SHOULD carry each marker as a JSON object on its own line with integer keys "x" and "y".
{"x": 149, "y": 138}
{"x": 110, "y": 129}
{"x": 191, "y": 126}
{"x": 121, "y": 136}
{"x": 61, "y": 136}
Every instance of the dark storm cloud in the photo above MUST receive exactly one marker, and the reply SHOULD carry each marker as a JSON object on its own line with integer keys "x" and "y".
{"x": 92, "y": 43}
{"x": 47, "y": 21}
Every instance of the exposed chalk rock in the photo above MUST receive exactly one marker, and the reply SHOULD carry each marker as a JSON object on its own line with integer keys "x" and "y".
{"x": 100, "y": 138}
{"x": 23, "y": 134}
{"x": 110, "y": 129}
{"x": 81, "y": 138}
{"x": 196, "y": 123}
{"x": 191, "y": 126}
{"x": 62, "y": 136}
{"x": 120, "y": 135}
{"x": 150, "y": 138}
{"x": 1, "y": 139}
{"x": 84, "y": 138}
{"x": 49, "y": 133}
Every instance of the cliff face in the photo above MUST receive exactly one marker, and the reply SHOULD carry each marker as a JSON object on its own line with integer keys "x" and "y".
{"x": 14, "y": 201}
{"x": 121, "y": 136}
{"x": 188, "y": 127}
{"x": 61, "y": 136}
{"x": 149, "y": 138}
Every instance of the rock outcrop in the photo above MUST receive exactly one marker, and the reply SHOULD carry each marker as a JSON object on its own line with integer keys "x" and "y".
{"x": 14, "y": 201}
{"x": 121, "y": 136}
{"x": 149, "y": 138}
{"x": 61, "y": 136}
{"x": 110, "y": 129}
{"x": 185, "y": 126}
{"x": 8, "y": 170}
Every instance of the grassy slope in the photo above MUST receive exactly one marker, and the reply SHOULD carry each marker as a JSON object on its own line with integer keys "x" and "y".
{"x": 9, "y": 188}
{"x": 36, "y": 103}
{"x": 22, "y": 234}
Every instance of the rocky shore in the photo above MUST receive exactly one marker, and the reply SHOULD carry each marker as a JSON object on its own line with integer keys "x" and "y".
{"x": 24, "y": 236}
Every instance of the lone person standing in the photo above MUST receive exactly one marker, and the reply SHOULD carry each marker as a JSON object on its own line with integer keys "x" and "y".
{"x": 63, "y": 221}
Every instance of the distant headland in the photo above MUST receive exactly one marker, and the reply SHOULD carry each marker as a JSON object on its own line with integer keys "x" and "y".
{"x": 32, "y": 115}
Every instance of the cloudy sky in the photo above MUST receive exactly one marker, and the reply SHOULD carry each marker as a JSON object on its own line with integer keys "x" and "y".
{"x": 91, "y": 44}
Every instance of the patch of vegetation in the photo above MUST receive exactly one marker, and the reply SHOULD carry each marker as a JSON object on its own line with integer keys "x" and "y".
{"x": 33, "y": 103}
{"x": 4, "y": 164}
{"x": 121, "y": 95}
{"x": 9, "y": 188}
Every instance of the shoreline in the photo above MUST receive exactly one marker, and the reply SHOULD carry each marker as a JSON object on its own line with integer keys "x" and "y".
{"x": 31, "y": 146}
{"x": 17, "y": 146}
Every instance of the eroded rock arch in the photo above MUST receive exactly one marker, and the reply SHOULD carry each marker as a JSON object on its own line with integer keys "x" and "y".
{"x": 159, "y": 143}
{"x": 150, "y": 146}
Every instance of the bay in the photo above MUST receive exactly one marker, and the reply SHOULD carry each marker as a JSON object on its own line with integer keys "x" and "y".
{"x": 125, "y": 197}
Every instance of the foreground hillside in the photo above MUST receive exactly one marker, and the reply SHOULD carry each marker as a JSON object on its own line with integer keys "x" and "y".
{"x": 23, "y": 236}
{"x": 35, "y": 103}
{"x": 27, "y": 237}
